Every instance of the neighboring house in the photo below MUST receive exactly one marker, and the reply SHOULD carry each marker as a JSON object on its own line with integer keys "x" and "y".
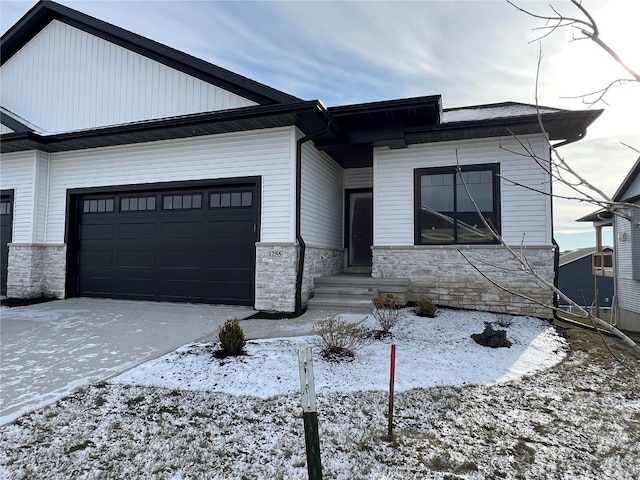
{"x": 132, "y": 170}
{"x": 576, "y": 279}
{"x": 626, "y": 246}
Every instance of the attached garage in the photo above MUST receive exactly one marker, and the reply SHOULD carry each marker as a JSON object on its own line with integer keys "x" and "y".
{"x": 178, "y": 243}
{"x": 6, "y": 217}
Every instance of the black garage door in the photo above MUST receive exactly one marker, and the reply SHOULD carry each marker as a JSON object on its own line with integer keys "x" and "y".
{"x": 6, "y": 215}
{"x": 181, "y": 245}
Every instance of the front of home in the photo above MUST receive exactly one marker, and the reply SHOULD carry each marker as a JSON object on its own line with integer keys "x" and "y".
{"x": 131, "y": 170}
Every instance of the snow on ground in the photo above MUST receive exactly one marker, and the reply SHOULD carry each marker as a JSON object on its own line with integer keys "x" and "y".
{"x": 429, "y": 353}
{"x": 462, "y": 411}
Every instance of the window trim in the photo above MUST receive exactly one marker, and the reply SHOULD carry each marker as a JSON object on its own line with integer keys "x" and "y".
{"x": 419, "y": 172}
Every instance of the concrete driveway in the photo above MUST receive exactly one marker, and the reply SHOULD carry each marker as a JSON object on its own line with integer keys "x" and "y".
{"x": 49, "y": 349}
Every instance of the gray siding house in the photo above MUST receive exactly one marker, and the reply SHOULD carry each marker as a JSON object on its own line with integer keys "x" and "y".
{"x": 131, "y": 170}
{"x": 626, "y": 244}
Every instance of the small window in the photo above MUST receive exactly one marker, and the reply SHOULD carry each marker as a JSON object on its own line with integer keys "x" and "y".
{"x": 231, "y": 199}
{"x": 5, "y": 208}
{"x": 182, "y": 202}
{"x": 136, "y": 204}
{"x": 100, "y": 205}
{"x": 446, "y": 214}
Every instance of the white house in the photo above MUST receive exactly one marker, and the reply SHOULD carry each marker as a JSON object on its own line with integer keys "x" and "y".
{"x": 626, "y": 241}
{"x": 132, "y": 170}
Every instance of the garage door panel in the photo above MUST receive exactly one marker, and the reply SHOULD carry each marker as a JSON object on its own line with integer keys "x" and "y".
{"x": 136, "y": 258}
{"x": 179, "y": 288}
{"x": 178, "y": 259}
{"x": 136, "y": 231}
{"x": 135, "y": 287}
{"x": 229, "y": 275}
{"x": 230, "y": 229}
{"x": 96, "y": 286}
{"x": 227, "y": 259}
{"x": 98, "y": 231}
{"x": 96, "y": 258}
{"x": 174, "y": 252}
{"x": 181, "y": 230}
{"x": 226, "y": 292}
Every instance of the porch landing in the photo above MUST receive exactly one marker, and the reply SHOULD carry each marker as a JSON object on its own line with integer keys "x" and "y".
{"x": 354, "y": 292}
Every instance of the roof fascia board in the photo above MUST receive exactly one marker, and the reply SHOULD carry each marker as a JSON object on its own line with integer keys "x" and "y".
{"x": 588, "y": 115}
{"x": 235, "y": 115}
{"x": 626, "y": 183}
{"x": 13, "y": 124}
{"x": 44, "y": 12}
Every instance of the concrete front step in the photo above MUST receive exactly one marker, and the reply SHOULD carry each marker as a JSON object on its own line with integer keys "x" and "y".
{"x": 365, "y": 281}
{"x": 341, "y": 305}
{"x": 345, "y": 291}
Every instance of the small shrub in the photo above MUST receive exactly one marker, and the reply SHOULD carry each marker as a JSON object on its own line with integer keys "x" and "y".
{"x": 491, "y": 338}
{"x": 386, "y": 313}
{"x": 504, "y": 320}
{"x": 339, "y": 339}
{"x": 231, "y": 337}
{"x": 425, "y": 308}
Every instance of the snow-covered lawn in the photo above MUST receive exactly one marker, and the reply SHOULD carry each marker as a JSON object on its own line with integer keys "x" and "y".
{"x": 461, "y": 411}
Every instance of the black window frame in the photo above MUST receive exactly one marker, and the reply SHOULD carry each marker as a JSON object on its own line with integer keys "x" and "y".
{"x": 106, "y": 201}
{"x": 494, "y": 168}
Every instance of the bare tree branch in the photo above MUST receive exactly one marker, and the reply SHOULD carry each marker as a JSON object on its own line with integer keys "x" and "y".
{"x": 528, "y": 269}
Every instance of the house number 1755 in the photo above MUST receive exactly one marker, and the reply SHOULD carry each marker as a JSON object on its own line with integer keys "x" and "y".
{"x": 275, "y": 253}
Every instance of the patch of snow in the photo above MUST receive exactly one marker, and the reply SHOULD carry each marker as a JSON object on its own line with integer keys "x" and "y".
{"x": 430, "y": 352}
{"x": 491, "y": 112}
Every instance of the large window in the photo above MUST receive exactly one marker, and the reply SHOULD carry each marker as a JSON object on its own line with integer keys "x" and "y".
{"x": 444, "y": 212}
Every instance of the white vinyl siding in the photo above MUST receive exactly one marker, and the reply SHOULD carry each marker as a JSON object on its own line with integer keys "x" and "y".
{"x": 627, "y": 288}
{"x": 17, "y": 172}
{"x": 523, "y": 212}
{"x": 4, "y": 129}
{"x": 358, "y": 178}
{"x": 41, "y": 182}
{"x": 67, "y": 79}
{"x": 633, "y": 190}
{"x": 265, "y": 153}
{"x": 322, "y": 199}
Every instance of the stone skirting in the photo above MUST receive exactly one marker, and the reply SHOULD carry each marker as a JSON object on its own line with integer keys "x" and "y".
{"x": 442, "y": 275}
{"x": 319, "y": 262}
{"x": 36, "y": 270}
{"x": 276, "y": 269}
{"x": 276, "y": 266}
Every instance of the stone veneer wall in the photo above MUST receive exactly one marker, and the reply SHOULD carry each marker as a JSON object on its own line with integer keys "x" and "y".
{"x": 36, "y": 270}
{"x": 276, "y": 265}
{"x": 319, "y": 262}
{"x": 441, "y": 274}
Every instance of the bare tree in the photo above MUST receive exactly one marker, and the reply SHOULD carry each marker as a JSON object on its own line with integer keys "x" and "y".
{"x": 559, "y": 169}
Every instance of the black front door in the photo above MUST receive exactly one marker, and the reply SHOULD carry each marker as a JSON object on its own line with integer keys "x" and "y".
{"x": 359, "y": 227}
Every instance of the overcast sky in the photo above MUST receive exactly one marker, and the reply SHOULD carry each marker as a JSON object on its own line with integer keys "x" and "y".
{"x": 471, "y": 52}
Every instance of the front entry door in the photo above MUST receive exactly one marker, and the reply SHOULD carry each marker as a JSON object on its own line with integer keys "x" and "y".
{"x": 360, "y": 227}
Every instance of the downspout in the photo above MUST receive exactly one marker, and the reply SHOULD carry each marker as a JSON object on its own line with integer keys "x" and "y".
{"x": 299, "y": 239}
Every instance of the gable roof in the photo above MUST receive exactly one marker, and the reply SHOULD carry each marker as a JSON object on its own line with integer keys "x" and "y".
{"x": 605, "y": 215}
{"x": 45, "y": 12}
{"x": 619, "y": 196}
{"x": 573, "y": 255}
{"x": 350, "y": 130}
